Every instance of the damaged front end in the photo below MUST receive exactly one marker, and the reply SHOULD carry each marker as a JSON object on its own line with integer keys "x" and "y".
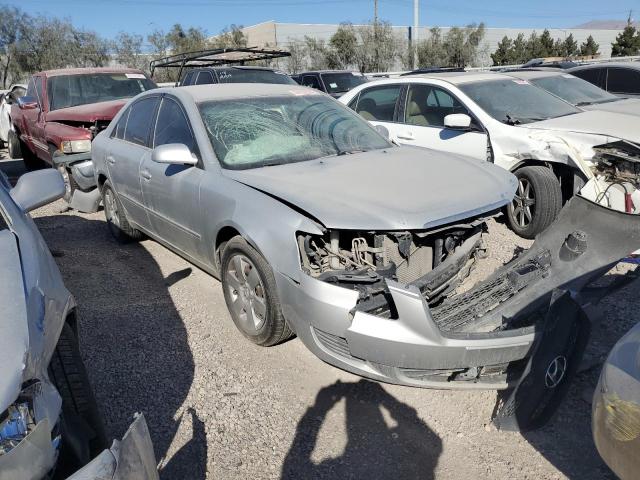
{"x": 423, "y": 318}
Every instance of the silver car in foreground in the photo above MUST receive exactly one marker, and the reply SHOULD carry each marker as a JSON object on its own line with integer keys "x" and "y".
{"x": 616, "y": 407}
{"x": 317, "y": 225}
{"x": 48, "y": 416}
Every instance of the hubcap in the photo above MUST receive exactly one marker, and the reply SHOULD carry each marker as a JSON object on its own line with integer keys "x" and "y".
{"x": 111, "y": 208}
{"x": 247, "y": 293}
{"x": 67, "y": 183}
{"x": 555, "y": 371}
{"x": 523, "y": 205}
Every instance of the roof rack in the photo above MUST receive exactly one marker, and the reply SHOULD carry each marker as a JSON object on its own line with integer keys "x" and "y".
{"x": 216, "y": 57}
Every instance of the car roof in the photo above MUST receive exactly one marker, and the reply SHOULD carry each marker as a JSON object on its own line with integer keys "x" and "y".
{"x": 529, "y": 74}
{"x": 632, "y": 65}
{"x": 222, "y": 91}
{"x": 329, "y": 71}
{"x": 459, "y": 78}
{"x": 85, "y": 71}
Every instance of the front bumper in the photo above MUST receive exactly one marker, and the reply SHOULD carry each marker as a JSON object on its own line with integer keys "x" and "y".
{"x": 86, "y": 198}
{"x": 482, "y": 333}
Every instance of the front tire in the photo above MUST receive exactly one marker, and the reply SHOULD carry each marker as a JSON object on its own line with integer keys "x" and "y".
{"x": 251, "y": 294}
{"x": 537, "y": 201}
{"x": 82, "y": 427}
{"x": 116, "y": 218}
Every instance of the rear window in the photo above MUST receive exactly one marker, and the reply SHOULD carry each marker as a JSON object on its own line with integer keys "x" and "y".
{"x": 341, "y": 82}
{"x": 246, "y": 75}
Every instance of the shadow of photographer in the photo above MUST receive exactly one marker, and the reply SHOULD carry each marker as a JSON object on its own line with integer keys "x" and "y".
{"x": 385, "y": 437}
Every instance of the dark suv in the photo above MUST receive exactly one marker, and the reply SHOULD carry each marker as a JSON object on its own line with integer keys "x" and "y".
{"x": 333, "y": 82}
{"x": 235, "y": 74}
{"x": 619, "y": 78}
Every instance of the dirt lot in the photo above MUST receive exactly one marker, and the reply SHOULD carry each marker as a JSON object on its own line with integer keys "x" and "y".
{"x": 157, "y": 338}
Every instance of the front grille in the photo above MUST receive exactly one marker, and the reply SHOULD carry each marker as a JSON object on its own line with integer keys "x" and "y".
{"x": 454, "y": 313}
{"x": 333, "y": 343}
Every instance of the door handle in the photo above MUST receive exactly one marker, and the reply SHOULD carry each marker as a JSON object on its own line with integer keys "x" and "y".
{"x": 406, "y": 136}
{"x": 111, "y": 160}
{"x": 146, "y": 174}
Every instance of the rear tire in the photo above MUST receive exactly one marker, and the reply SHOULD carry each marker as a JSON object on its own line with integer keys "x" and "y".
{"x": 116, "y": 218}
{"x": 82, "y": 427}
{"x": 251, "y": 294}
{"x": 537, "y": 202}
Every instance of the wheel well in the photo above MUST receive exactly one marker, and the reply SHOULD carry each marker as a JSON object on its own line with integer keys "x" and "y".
{"x": 101, "y": 179}
{"x": 565, "y": 174}
{"x": 72, "y": 320}
{"x": 224, "y": 235}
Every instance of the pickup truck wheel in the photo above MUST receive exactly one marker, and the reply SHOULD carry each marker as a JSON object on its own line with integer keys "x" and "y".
{"x": 251, "y": 295}
{"x": 70, "y": 184}
{"x": 81, "y": 426}
{"x": 537, "y": 201}
{"x": 116, "y": 218}
{"x": 14, "y": 145}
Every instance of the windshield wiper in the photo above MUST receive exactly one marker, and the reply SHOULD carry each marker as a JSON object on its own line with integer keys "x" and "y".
{"x": 511, "y": 120}
{"x": 347, "y": 152}
{"x": 584, "y": 104}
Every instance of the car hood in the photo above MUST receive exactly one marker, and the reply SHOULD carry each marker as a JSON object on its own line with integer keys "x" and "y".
{"x": 595, "y": 122}
{"x": 394, "y": 189}
{"x": 630, "y": 106}
{"x": 14, "y": 331}
{"x": 87, "y": 113}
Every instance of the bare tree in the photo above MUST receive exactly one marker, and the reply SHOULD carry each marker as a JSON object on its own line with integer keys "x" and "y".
{"x": 128, "y": 51}
{"x": 9, "y": 34}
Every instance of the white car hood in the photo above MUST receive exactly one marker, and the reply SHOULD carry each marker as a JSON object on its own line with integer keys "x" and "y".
{"x": 630, "y": 106}
{"x": 608, "y": 124}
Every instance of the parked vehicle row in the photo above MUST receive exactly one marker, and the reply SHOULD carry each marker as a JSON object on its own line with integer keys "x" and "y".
{"x": 333, "y": 82}
{"x": 10, "y": 97}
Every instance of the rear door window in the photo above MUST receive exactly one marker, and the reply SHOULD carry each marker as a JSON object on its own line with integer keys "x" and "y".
{"x": 118, "y": 132}
{"x": 592, "y": 75}
{"x": 379, "y": 103}
{"x": 204, "y": 78}
{"x": 140, "y": 121}
{"x": 187, "y": 79}
{"x": 311, "y": 81}
{"x": 623, "y": 80}
{"x": 427, "y": 106}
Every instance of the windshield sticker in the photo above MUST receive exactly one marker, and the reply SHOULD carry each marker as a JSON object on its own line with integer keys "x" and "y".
{"x": 333, "y": 85}
{"x": 521, "y": 82}
{"x": 135, "y": 75}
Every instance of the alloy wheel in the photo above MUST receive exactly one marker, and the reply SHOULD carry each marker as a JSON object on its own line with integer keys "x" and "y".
{"x": 111, "y": 208}
{"x": 247, "y": 293}
{"x": 523, "y": 204}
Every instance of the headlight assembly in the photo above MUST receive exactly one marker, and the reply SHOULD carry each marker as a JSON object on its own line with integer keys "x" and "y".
{"x": 75, "y": 146}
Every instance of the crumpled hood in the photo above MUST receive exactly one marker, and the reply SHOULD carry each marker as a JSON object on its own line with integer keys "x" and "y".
{"x": 14, "y": 330}
{"x": 630, "y": 106}
{"x": 608, "y": 124}
{"x": 88, "y": 113}
{"x": 394, "y": 189}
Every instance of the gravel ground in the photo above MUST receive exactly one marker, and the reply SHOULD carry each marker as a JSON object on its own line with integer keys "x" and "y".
{"x": 157, "y": 338}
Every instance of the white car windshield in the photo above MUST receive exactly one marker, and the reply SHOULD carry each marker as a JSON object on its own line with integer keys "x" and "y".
{"x": 516, "y": 102}
{"x": 574, "y": 90}
{"x": 264, "y": 131}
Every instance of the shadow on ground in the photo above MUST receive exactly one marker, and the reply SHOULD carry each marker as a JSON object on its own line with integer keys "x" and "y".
{"x": 375, "y": 449}
{"x": 133, "y": 340}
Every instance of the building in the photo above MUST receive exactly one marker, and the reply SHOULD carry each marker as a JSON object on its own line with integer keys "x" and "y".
{"x": 276, "y": 34}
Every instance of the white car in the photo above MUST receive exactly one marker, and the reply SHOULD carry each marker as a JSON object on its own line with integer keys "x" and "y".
{"x": 554, "y": 148}
{"x": 8, "y": 98}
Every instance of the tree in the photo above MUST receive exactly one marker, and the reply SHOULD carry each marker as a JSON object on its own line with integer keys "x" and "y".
{"x": 627, "y": 42}
{"x": 378, "y": 48}
{"x": 503, "y": 52}
{"x": 297, "y": 61}
{"x": 569, "y": 47}
{"x": 431, "y": 51}
{"x": 547, "y": 44}
{"x": 230, "y": 37}
{"x": 344, "y": 46}
{"x": 589, "y": 47}
{"x": 128, "y": 51}
{"x": 10, "y": 21}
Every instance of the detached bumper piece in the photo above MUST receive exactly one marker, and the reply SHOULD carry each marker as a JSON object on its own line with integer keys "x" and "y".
{"x": 130, "y": 459}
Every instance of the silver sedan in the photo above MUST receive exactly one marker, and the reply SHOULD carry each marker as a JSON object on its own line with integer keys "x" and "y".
{"x": 317, "y": 224}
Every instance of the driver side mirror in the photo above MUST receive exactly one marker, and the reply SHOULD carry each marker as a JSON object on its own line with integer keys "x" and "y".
{"x": 27, "y": 103}
{"x": 173, "y": 153}
{"x": 457, "y": 121}
{"x": 35, "y": 189}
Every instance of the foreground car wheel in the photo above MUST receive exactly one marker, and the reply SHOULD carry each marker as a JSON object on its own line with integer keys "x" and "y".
{"x": 82, "y": 428}
{"x": 117, "y": 221}
{"x": 251, "y": 295}
{"x": 536, "y": 203}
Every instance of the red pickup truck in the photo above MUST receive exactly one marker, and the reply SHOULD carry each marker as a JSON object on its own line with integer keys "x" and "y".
{"x": 60, "y": 114}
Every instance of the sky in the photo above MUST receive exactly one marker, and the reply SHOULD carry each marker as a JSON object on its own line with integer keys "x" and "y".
{"x": 108, "y": 17}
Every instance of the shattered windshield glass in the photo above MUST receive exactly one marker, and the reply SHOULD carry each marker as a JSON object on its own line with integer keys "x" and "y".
{"x": 264, "y": 131}
{"x": 73, "y": 90}
{"x": 574, "y": 90}
{"x": 516, "y": 102}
